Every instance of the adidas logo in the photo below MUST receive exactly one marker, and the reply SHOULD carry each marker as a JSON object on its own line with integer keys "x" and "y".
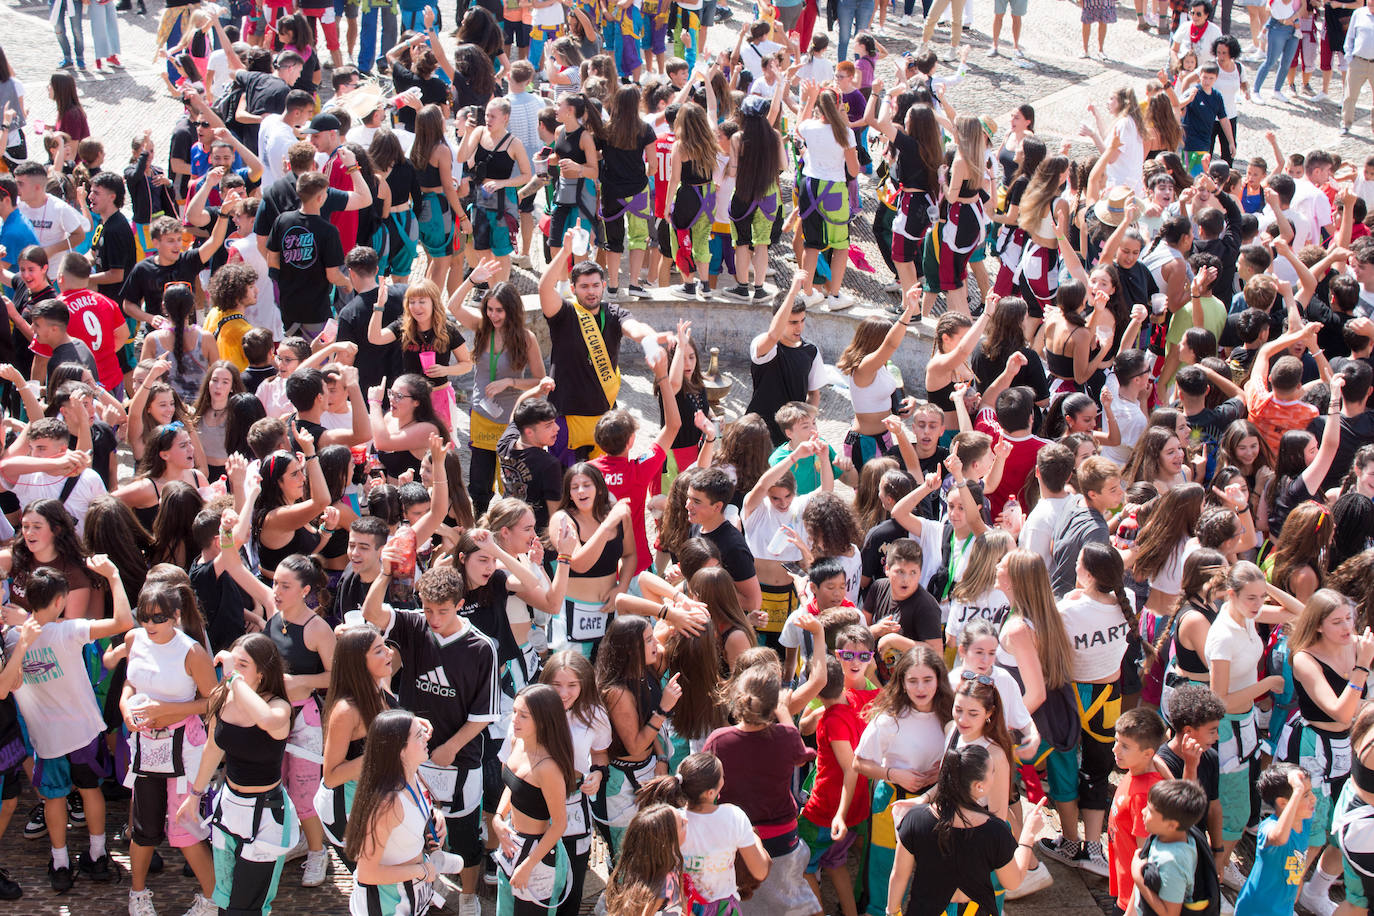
{"x": 436, "y": 682}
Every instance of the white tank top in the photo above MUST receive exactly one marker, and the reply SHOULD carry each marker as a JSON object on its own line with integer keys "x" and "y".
{"x": 159, "y": 672}
{"x": 407, "y": 841}
{"x": 876, "y": 395}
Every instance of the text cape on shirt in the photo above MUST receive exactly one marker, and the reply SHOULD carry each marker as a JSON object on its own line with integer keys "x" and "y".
{"x": 582, "y": 389}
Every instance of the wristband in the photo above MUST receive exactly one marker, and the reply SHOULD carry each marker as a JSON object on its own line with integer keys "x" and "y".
{"x": 192, "y": 790}
{"x": 1363, "y": 668}
{"x": 1218, "y": 849}
{"x": 312, "y": 455}
{"x": 659, "y": 710}
{"x": 565, "y": 559}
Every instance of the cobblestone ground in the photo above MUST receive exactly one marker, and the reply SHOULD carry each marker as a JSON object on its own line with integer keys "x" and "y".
{"x": 121, "y": 104}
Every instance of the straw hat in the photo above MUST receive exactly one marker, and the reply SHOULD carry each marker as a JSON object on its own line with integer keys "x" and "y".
{"x": 361, "y": 102}
{"x": 1111, "y": 209}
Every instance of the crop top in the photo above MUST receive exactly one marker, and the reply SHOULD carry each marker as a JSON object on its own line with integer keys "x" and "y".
{"x": 252, "y": 757}
{"x": 303, "y": 541}
{"x": 289, "y": 638}
{"x": 942, "y": 397}
{"x": 525, "y": 797}
{"x": 397, "y": 463}
{"x": 148, "y": 514}
{"x": 1189, "y": 660}
{"x": 876, "y": 396}
{"x": 608, "y": 564}
{"x": 1307, "y": 707}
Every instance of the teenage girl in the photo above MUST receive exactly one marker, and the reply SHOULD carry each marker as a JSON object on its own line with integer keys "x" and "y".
{"x": 440, "y": 199}
{"x": 602, "y": 563}
{"x": 691, "y": 197}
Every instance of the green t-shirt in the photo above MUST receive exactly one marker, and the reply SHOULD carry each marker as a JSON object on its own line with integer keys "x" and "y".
{"x": 807, "y": 475}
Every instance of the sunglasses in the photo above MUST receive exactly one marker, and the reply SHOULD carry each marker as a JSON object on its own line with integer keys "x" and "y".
{"x": 848, "y": 655}
{"x": 155, "y": 619}
{"x": 200, "y": 123}
{"x": 968, "y": 675}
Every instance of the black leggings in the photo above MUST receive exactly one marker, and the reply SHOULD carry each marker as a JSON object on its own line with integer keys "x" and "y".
{"x": 481, "y": 479}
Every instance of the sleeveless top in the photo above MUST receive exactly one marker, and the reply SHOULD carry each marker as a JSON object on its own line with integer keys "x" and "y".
{"x": 876, "y": 395}
{"x": 1307, "y": 707}
{"x": 289, "y": 638}
{"x": 648, "y": 694}
{"x": 148, "y": 514}
{"x": 525, "y": 797}
{"x": 402, "y": 180}
{"x": 608, "y": 563}
{"x": 252, "y": 757}
{"x": 499, "y": 162}
{"x": 303, "y": 540}
{"x": 568, "y": 145}
{"x": 1191, "y": 660}
{"x": 187, "y": 377}
{"x": 493, "y": 365}
{"x": 159, "y": 671}
{"x": 407, "y": 842}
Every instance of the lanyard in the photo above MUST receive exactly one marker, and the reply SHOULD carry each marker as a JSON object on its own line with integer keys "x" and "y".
{"x": 425, "y": 808}
{"x": 954, "y": 558}
{"x": 492, "y": 356}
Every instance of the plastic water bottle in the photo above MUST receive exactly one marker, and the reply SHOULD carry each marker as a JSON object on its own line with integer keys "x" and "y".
{"x": 404, "y": 538}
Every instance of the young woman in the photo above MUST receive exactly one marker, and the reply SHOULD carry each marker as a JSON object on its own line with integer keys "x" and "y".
{"x": 975, "y": 596}
{"x": 578, "y": 163}
{"x": 539, "y": 774}
{"x": 71, "y": 117}
{"x": 1298, "y": 562}
{"x": 1157, "y": 554}
{"x": 979, "y": 720}
{"x": 1302, "y": 463}
{"x": 638, "y": 706}
{"x": 757, "y": 157}
{"x": 955, "y": 337}
{"x": 170, "y": 455}
{"x": 306, "y": 643}
{"x": 253, "y": 823}
{"x": 440, "y": 201}
{"x": 402, "y": 435}
{"x": 432, "y": 344}
{"x": 734, "y": 632}
{"x": 647, "y": 877}
{"x": 824, "y": 201}
{"x": 901, "y": 748}
{"x": 1329, "y": 659}
{"x": 281, "y": 516}
{"x": 1007, "y": 335}
{"x": 625, "y": 202}
{"x": 512, "y": 365}
{"x": 358, "y": 680}
{"x": 715, "y": 834}
{"x": 155, "y": 405}
{"x": 602, "y": 563}
{"x": 1180, "y": 644}
{"x": 691, "y": 195}
{"x": 174, "y": 540}
{"x": 1122, "y": 145}
{"x": 1160, "y": 460}
{"x": 977, "y": 657}
{"x": 47, "y": 537}
{"x": 1074, "y": 358}
{"x": 1033, "y": 270}
{"x": 211, "y": 412}
{"x": 572, "y": 676}
{"x": 962, "y": 224}
{"x": 1243, "y": 447}
{"x": 187, "y": 348}
{"x": 394, "y": 829}
{"x": 918, "y": 156}
{"x": 688, "y": 388}
{"x": 871, "y": 383}
{"x": 500, "y": 163}
{"x": 168, "y": 679}
{"x": 956, "y": 819}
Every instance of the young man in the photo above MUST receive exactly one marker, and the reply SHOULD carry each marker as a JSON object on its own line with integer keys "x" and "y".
{"x": 304, "y": 253}
{"x": 708, "y": 494}
{"x": 60, "y": 227}
{"x": 323, "y": 134}
{"x": 265, "y": 93}
{"x": 925, "y": 454}
{"x": 1195, "y": 383}
{"x": 375, "y": 362}
{"x": 784, "y": 367}
{"x": 1273, "y": 395}
{"x": 1174, "y": 806}
{"x": 902, "y": 611}
{"x": 452, "y": 683}
{"x": 49, "y": 320}
{"x": 1015, "y": 413}
{"x": 1139, "y": 733}
{"x": 366, "y": 537}
{"x": 1054, "y": 466}
{"x": 49, "y": 470}
{"x": 529, "y": 471}
{"x": 114, "y": 252}
{"x": 524, "y": 123}
{"x": 305, "y": 391}
{"x": 233, "y": 291}
{"x": 1100, "y": 491}
{"x": 277, "y": 134}
{"x": 46, "y": 672}
{"x": 892, "y": 487}
{"x": 142, "y": 293}
{"x": 96, "y": 320}
{"x": 227, "y": 609}
{"x": 1131, "y": 373}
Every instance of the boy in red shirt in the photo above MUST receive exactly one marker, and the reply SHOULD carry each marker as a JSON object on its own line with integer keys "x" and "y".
{"x": 1015, "y": 447}
{"x": 1139, "y": 733}
{"x": 97, "y": 321}
{"x": 839, "y": 798}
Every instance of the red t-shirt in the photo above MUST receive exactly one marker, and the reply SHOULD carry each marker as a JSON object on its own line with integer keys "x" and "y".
{"x": 840, "y": 722}
{"x": 1125, "y": 824}
{"x": 346, "y": 221}
{"x": 95, "y": 320}
{"x": 1018, "y": 467}
{"x": 629, "y": 478}
{"x": 663, "y": 153}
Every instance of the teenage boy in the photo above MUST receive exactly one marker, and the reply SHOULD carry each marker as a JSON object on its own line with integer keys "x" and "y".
{"x": 529, "y": 471}
{"x": 96, "y": 319}
{"x": 893, "y": 486}
{"x": 1357, "y": 423}
{"x": 452, "y": 682}
{"x": 1174, "y": 806}
{"x": 1273, "y": 395}
{"x": 46, "y": 672}
{"x": 227, "y": 609}
{"x": 1099, "y": 484}
{"x": 902, "y": 612}
{"x": 1271, "y": 888}
{"x": 375, "y": 362}
{"x": 113, "y": 252}
{"x": 305, "y": 390}
{"x": 366, "y": 537}
{"x": 630, "y": 478}
{"x": 839, "y": 798}
{"x": 142, "y": 294}
{"x": 1015, "y": 412}
{"x": 304, "y": 255}
{"x": 16, "y": 233}
{"x": 1054, "y": 465}
{"x": 257, "y": 350}
{"x": 925, "y": 454}
{"x": 60, "y": 227}
{"x": 783, "y": 365}
{"x": 1139, "y": 733}
{"x": 1203, "y": 110}
{"x": 50, "y": 320}
{"x": 826, "y": 578}
{"x": 1195, "y": 713}
{"x": 797, "y": 420}
{"x": 708, "y": 493}
{"x": 48, "y": 469}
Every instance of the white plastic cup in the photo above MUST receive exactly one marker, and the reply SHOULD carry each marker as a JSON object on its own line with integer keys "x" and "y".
{"x": 136, "y": 702}
{"x": 581, "y": 241}
{"x": 778, "y": 543}
{"x": 1158, "y": 303}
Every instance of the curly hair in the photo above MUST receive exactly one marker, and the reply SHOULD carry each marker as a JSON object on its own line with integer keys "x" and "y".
{"x": 830, "y": 524}
{"x": 67, "y": 545}
{"x": 229, "y": 286}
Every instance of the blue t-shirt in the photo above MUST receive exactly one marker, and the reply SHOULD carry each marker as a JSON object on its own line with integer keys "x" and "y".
{"x": 1176, "y": 863}
{"x": 1201, "y": 115}
{"x": 16, "y": 234}
{"x": 1271, "y": 889}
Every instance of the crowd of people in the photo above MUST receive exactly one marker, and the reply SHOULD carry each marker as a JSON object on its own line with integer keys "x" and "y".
{"x": 316, "y": 549}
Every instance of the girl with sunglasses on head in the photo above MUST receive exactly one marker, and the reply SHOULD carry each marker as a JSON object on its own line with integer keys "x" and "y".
{"x": 169, "y": 679}
{"x": 171, "y": 455}
{"x": 402, "y": 435}
{"x": 278, "y": 513}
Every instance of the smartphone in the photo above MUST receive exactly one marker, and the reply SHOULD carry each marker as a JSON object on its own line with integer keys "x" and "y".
{"x": 331, "y": 328}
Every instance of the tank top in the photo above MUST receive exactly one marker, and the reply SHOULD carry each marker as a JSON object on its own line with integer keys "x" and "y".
{"x": 500, "y": 165}
{"x": 212, "y": 439}
{"x": 252, "y": 757}
{"x": 525, "y": 797}
{"x": 608, "y": 563}
{"x": 289, "y": 638}
{"x": 648, "y": 694}
{"x": 303, "y": 541}
{"x": 1307, "y": 707}
{"x": 492, "y": 365}
{"x": 876, "y": 395}
{"x": 407, "y": 842}
{"x": 1190, "y": 660}
{"x": 402, "y": 182}
{"x": 568, "y": 145}
{"x": 159, "y": 671}
{"x": 187, "y": 377}
{"x": 148, "y": 514}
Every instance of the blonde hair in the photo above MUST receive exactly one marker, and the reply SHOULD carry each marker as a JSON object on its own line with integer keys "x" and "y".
{"x": 1306, "y": 629}
{"x": 1034, "y": 601}
{"x": 696, "y": 138}
{"x": 980, "y": 572}
{"x": 411, "y": 335}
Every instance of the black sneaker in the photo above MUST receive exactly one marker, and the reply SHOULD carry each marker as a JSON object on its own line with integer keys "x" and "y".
{"x": 489, "y": 870}
{"x": 37, "y": 825}
{"x": 101, "y": 869}
{"x": 9, "y": 888}
{"x": 739, "y": 293}
{"x": 61, "y": 878}
{"x": 76, "y": 809}
{"x": 760, "y": 293}
{"x": 1071, "y": 852}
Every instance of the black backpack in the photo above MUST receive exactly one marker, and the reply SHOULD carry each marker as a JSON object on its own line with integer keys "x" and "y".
{"x": 1206, "y": 897}
{"x": 227, "y": 106}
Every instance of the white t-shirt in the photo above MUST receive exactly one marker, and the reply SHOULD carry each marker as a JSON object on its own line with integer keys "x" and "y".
{"x": 853, "y": 568}
{"x": 765, "y": 521}
{"x": 1013, "y": 703}
{"x": 751, "y": 55}
{"x": 550, "y": 15}
{"x": 1239, "y": 644}
{"x": 708, "y": 853}
{"x": 218, "y": 65}
{"x": 55, "y": 698}
{"x": 824, "y": 157}
{"x": 363, "y": 136}
{"x": 275, "y": 137}
{"x": 1309, "y": 199}
{"x": 52, "y": 222}
{"x": 817, "y": 69}
{"x": 1097, "y": 635}
{"x": 1203, "y": 46}
{"x": 916, "y": 741}
{"x": 1037, "y": 533}
{"x": 49, "y": 486}
{"x": 992, "y": 606}
{"x": 1130, "y": 419}
{"x": 264, "y": 312}
{"x": 1126, "y": 169}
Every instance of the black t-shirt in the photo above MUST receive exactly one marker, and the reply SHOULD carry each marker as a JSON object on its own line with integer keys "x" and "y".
{"x": 688, "y": 403}
{"x": 349, "y": 593}
{"x": 280, "y": 197}
{"x": 448, "y": 681}
{"x": 735, "y": 556}
{"x": 410, "y": 355}
{"x": 308, "y": 246}
{"x": 263, "y": 94}
{"x": 1356, "y": 432}
{"x": 1138, "y": 284}
{"x": 306, "y": 81}
{"x": 1211, "y": 422}
{"x": 144, "y": 284}
{"x": 254, "y": 376}
{"x": 179, "y": 147}
{"x": 1208, "y": 769}
{"x": 485, "y": 608}
{"x": 103, "y": 445}
{"x": 623, "y": 169}
{"x": 918, "y": 615}
{"x": 578, "y": 392}
{"x": 938, "y": 873}
{"x": 1031, "y": 375}
{"x": 433, "y": 91}
{"x": 909, "y": 170}
{"x": 529, "y": 474}
{"x": 113, "y": 247}
{"x": 1330, "y": 338}
{"x": 1287, "y": 496}
{"x": 375, "y": 363}
{"x": 222, "y": 602}
{"x": 871, "y": 554}
{"x": 73, "y": 351}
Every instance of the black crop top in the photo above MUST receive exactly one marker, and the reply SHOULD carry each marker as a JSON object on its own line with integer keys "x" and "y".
{"x": 252, "y": 757}
{"x": 289, "y": 639}
{"x": 402, "y": 181}
{"x": 608, "y": 563}
{"x": 1307, "y": 707}
{"x": 1187, "y": 659}
{"x": 568, "y": 145}
{"x": 397, "y": 463}
{"x": 942, "y": 397}
{"x": 525, "y": 797}
{"x": 429, "y": 177}
{"x": 303, "y": 541}
{"x": 148, "y": 514}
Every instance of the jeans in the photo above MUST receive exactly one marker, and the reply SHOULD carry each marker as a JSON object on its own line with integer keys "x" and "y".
{"x": 60, "y": 28}
{"x": 367, "y": 37}
{"x": 855, "y": 15}
{"x": 104, "y": 30}
{"x": 1283, "y": 47}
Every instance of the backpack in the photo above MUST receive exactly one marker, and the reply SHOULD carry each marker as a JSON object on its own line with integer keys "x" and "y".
{"x": 1206, "y": 896}
{"x": 227, "y": 105}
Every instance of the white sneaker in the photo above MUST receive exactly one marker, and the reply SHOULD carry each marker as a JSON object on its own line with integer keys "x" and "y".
{"x": 298, "y": 850}
{"x": 1319, "y": 97}
{"x": 141, "y": 903}
{"x": 522, "y": 261}
{"x": 469, "y": 905}
{"x": 1037, "y": 879}
{"x": 906, "y": 20}
{"x": 202, "y": 906}
{"x": 811, "y": 299}
{"x": 1316, "y": 903}
{"x": 836, "y": 303}
{"x": 1095, "y": 862}
{"x": 893, "y": 287}
{"x": 1232, "y": 877}
{"x": 1258, "y": 97}
{"x": 842, "y": 299}
{"x": 315, "y": 865}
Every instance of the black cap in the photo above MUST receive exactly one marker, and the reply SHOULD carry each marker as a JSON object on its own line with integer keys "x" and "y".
{"x": 321, "y": 123}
